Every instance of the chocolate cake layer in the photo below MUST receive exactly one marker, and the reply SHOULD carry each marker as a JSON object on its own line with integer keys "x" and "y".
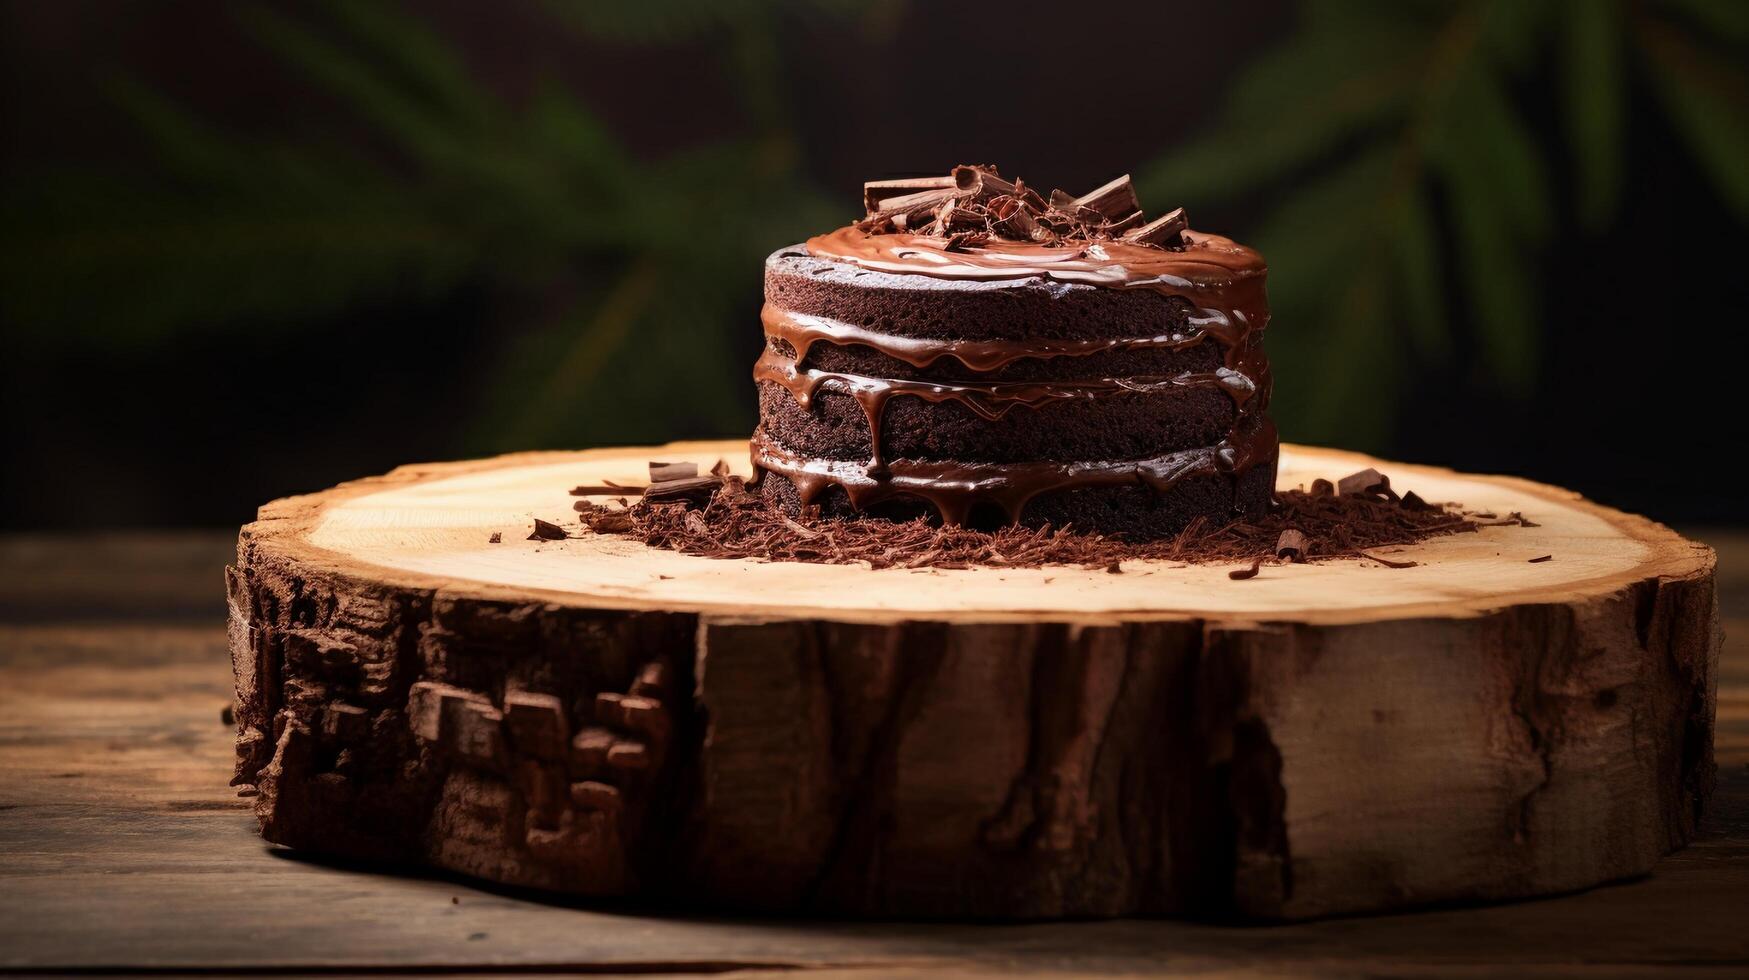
{"x": 1128, "y": 511}
{"x": 1118, "y": 385}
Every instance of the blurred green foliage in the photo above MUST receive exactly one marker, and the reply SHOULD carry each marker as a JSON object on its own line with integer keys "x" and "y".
{"x": 588, "y": 245}
{"x": 1408, "y": 198}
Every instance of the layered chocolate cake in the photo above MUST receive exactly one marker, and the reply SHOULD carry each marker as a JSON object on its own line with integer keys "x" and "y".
{"x": 979, "y": 351}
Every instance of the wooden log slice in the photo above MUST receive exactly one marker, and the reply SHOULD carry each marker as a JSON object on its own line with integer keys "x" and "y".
{"x": 596, "y": 717}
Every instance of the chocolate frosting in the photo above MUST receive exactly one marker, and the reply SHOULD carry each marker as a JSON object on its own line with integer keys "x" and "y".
{"x": 1222, "y": 280}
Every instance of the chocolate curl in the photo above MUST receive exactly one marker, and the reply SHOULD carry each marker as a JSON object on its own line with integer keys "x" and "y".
{"x": 907, "y": 211}
{"x": 1163, "y": 231}
{"x": 980, "y": 182}
{"x": 1115, "y": 200}
{"x": 876, "y": 194}
{"x": 1029, "y": 197}
{"x": 1012, "y": 217}
{"x": 1291, "y": 545}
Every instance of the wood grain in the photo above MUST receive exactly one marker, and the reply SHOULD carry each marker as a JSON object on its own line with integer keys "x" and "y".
{"x": 983, "y": 743}
{"x": 120, "y": 847}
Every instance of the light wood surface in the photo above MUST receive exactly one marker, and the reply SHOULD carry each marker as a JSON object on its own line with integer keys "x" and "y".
{"x": 431, "y": 524}
{"x": 121, "y": 847}
{"x": 597, "y": 717}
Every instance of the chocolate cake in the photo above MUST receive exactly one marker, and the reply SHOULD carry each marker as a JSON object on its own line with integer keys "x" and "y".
{"x": 976, "y": 350}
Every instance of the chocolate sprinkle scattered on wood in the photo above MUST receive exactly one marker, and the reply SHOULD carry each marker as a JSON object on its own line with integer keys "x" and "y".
{"x": 976, "y": 204}
{"x": 722, "y": 518}
{"x": 1538, "y": 561}
{"x": 1239, "y": 574}
{"x": 496, "y": 538}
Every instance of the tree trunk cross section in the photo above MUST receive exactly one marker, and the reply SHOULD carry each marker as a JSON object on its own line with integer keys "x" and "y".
{"x": 596, "y": 717}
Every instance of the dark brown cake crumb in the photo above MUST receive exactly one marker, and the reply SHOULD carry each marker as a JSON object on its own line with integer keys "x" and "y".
{"x": 733, "y": 522}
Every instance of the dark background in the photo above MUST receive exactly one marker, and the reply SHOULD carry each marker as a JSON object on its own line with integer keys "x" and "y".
{"x": 256, "y": 249}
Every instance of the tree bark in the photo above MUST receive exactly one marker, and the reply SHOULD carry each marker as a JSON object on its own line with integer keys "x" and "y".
{"x": 594, "y": 717}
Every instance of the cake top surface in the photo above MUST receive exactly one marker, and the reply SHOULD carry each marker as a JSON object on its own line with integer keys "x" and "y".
{"x": 976, "y": 225}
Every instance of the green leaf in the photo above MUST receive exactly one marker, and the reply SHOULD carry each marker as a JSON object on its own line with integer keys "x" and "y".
{"x": 359, "y": 84}
{"x": 1328, "y": 289}
{"x": 1496, "y": 271}
{"x": 423, "y": 58}
{"x": 1478, "y": 131}
{"x": 1592, "y": 76}
{"x": 1291, "y": 109}
{"x": 1421, "y": 284}
{"x": 1708, "y": 101}
{"x": 1726, "y": 19}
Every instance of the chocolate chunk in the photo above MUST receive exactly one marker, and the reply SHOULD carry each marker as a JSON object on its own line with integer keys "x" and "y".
{"x": 1122, "y": 226}
{"x": 1248, "y": 572}
{"x": 1363, "y": 484}
{"x": 496, "y": 538}
{"x": 1164, "y": 231}
{"x": 1115, "y": 200}
{"x": 1413, "y": 501}
{"x": 547, "y": 531}
{"x": 1323, "y": 488}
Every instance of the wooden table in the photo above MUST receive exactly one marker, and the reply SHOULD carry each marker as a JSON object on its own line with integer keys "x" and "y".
{"x": 123, "y": 850}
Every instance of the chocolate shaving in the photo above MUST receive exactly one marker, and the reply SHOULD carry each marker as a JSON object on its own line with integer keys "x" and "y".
{"x": 1323, "y": 488}
{"x": 698, "y": 489}
{"x": 496, "y": 538}
{"x": 547, "y": 531}
{"x": 1388, "y": 562}
{"x": 964, "y": 240}
{"x": 1248, "y": 572}
{"x": 1538, "y": 561}
{"x": 876, "y": 192}
{"x": 977, "y": 200}
{"x": 663, "y": 472}
{"x": 1291, "y": 545}
{"x": 720, "y": 468}
{"x": 734, "y": 522}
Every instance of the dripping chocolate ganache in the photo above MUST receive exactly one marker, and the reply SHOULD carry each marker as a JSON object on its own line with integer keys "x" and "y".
{"x": 975, "y": 349}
